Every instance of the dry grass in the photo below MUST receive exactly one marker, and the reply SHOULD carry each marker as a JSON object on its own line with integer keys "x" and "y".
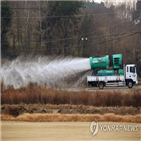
{"x": 43, "y": 95}
{"x": 72, "y": 117}
{"x": 34, "y": 94}
{"x": 19, "y": 109}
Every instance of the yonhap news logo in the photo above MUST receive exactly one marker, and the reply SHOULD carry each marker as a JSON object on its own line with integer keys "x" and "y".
{"x": 95, "y": 127}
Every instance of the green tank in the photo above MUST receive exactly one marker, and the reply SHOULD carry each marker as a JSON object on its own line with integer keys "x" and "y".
{"x": 109, "y": 72}
{"x": 106, "y": 73}
{"x": 101, "y": 62}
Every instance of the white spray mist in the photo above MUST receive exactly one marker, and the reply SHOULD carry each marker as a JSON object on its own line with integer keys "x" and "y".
{"x": 41, "y": 70}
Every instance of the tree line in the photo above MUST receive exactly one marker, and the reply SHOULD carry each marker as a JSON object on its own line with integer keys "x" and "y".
{"x": 73, "y": 28}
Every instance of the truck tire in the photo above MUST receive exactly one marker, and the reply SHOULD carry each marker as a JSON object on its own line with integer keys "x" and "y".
{"x": 101, "y": 85}
{"x": 93, "y": 85}
{"x": 130, "y": 84}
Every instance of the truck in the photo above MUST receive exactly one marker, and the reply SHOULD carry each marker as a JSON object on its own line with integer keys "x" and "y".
{"x": 114, "y": 74}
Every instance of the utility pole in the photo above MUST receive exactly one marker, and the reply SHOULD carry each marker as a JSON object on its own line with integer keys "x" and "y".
{"x": 84, "y": 39}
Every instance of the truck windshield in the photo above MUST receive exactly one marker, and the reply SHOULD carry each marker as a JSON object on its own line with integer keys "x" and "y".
{"x": 132, "y": 69}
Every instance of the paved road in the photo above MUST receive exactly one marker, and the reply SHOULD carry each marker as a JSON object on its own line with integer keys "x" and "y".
{"x": 122, "y": 89}
{"x": 64, "y": 131}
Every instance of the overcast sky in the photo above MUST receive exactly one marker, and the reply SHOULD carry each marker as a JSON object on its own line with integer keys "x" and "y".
{"x": 130, "y": 3}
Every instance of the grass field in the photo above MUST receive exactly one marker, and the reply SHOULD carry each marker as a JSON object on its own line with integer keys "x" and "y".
{"x": 43, "y": 95}
{"x": 62, "y": 131}
{"x": 39, "y": 103}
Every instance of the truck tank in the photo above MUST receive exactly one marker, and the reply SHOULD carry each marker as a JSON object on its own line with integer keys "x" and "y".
{"x": 106, "y": 73}
{"x": 101, "y": 62}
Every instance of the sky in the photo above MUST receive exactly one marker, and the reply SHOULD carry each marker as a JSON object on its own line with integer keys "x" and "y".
{"x": 117, "y": 2}
{"x": 97, "y": 1}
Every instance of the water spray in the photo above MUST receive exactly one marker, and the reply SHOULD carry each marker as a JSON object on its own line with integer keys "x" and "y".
{"x": 41, "y": 70}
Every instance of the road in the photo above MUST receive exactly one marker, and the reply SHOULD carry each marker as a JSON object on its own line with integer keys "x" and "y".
{"x": 63, "y": 131}
{"x": 111, "y": 89}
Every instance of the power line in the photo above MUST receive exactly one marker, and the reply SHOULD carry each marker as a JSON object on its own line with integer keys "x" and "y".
{"x": 64, "y": 16}
{"x": 128, "y": 35}
{"x": 112, "y": 26}
{"x": 70, "y": 16}
{"x": 104, "y": 41}
{"x": 77, "y": 37}
{"x": 71, "y": 38}
{"x": 99, "y": 42}
{"x": 44, "y": 40}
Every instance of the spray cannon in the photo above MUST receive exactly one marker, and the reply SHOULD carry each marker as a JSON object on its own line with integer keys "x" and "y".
{"x": 103, "y": 62}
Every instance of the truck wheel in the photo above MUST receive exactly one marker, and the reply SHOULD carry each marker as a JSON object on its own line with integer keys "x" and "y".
{"x": 130, "y": 84}
{"x": 93, "y": 85}
{"x": 101, "y": 85}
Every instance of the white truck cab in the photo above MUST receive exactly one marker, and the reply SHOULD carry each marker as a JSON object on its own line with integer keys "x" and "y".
{"x": 130, "y": 75}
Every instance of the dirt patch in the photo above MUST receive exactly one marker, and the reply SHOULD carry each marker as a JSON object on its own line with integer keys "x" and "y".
{"x": 16, "y": 110}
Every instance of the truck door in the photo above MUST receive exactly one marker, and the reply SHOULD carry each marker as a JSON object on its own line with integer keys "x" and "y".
{"x": 131, "y": 73}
